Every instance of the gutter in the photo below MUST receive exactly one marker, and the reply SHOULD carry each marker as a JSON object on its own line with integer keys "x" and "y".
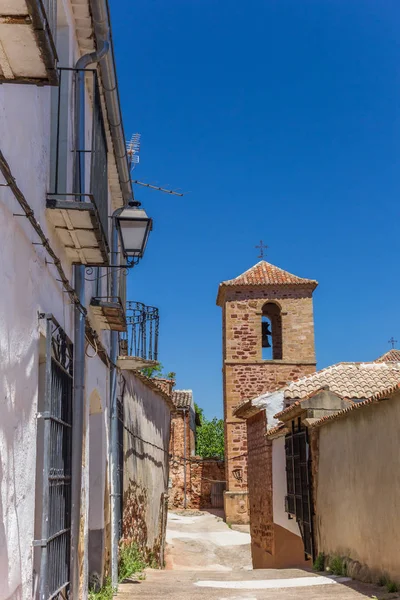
{"x": 102, "y": 26}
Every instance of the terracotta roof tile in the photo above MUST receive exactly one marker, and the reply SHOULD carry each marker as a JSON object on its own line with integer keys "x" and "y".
{"x": 182, "y": 398}
{"x": 263, "y": 273}
{"x": 349, "y": 380}
{"x": 391, "y": 356}
{"x": 278, "y": 429}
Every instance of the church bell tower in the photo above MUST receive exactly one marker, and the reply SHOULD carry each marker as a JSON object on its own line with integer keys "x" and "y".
{"x": 268, "y": 340}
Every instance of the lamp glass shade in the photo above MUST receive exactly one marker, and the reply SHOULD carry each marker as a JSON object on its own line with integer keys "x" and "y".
{"x": 134, "y": 227}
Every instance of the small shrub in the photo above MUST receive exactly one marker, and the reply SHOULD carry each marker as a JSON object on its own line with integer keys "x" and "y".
{"x": 131, "y": 561}
{"x": 391, "y": 587}
{"x": 319, "y": 562}
{"x": 337, "y": 566}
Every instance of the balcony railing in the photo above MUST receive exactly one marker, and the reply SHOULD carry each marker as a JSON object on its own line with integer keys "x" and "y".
{"x": 81, "y": 220}
{"x": 27, "y": 34}
{"x": 140, "y": 341}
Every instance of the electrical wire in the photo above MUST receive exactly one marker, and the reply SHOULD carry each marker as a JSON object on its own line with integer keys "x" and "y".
{"x": 30, "y": 215}
{"x": 94, "y": 346}
{"x": 175, "y": 457}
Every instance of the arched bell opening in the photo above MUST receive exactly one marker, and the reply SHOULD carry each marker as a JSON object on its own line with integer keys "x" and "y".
{"x": 271, "y": 328}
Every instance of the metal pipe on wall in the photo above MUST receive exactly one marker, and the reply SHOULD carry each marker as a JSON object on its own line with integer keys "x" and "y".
{"x": 115, "y": 488}
{"x": 79, "y": 325}
{"x": 101, "y": 20}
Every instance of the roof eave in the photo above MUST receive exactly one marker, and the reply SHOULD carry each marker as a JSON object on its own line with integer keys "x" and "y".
{"x": 311, "y": 285}
{"x": 379, "y": 397}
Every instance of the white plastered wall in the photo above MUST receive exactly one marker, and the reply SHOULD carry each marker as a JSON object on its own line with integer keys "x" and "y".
{"x": 30, "y": 287}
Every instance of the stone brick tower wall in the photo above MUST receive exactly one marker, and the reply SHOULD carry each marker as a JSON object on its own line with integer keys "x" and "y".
{"x": 245, "y": 374}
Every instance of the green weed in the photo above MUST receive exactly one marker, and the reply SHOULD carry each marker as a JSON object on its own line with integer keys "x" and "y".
{"x": 391, "y": 587}
{"x": 105, "y": 593}
{"x": 337, "y": 566}
{"x": 131, "y": 561}
{"x": 319, "y": 562}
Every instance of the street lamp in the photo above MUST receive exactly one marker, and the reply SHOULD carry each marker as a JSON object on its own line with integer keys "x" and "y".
{"x": 133, "y": 226}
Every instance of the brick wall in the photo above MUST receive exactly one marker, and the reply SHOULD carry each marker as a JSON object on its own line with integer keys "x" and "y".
{"x": 260, "y": 484}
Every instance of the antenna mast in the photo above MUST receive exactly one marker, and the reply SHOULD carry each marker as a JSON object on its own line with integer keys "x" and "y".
{"x": 133, "y": 152}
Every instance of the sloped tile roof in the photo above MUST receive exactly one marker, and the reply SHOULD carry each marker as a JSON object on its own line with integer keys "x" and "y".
{"x": 349, "y": 380}
{"x": 182, "y": 398}
{"x": 391, "y": 356}
{"x": 263, "y": 273}
{"x": 280, "y": 429}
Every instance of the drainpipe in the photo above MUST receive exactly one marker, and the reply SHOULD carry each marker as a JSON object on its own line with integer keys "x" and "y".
{"x": 101, "y": 20}
{"x": 115, "y": 487}
{"x": 78, "y": 406}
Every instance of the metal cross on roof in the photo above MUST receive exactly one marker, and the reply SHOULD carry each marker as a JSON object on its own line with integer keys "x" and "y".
{"x": 392, "y": 341}
{"x": 261, "y": 247}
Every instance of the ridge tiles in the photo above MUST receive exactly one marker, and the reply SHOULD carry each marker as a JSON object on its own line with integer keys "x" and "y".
{"x": 263, "y": 273}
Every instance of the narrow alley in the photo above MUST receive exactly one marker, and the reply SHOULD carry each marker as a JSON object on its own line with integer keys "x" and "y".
{"x": 207, "y": 559}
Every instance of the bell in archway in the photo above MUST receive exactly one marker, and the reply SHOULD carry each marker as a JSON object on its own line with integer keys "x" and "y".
{"x": 266, "y": 332}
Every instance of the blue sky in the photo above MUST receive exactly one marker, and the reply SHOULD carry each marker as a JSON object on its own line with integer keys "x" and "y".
{"x": 280, "y": 118}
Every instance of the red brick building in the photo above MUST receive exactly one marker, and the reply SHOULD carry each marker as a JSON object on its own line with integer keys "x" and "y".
{"x": 268, "y": 339}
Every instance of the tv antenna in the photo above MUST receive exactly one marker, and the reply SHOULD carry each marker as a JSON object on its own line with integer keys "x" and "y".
{"x": 133, "y": 152}
{"x": 157, "y": 188}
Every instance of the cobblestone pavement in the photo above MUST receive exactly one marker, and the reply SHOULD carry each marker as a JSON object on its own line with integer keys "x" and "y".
{"x": 206, "y": 559}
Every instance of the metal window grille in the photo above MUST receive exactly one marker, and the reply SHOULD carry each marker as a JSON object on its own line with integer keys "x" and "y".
{"x": 56, "y": 506}
{"x": 298, "y": 500}
{"x": 141, "y": 337}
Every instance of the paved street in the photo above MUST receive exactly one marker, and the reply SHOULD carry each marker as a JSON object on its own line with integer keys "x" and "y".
{"x": 206, "y": 559}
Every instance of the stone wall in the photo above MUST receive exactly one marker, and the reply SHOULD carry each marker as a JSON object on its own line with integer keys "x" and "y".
{"x": 245, "y": 374}
{"x": 180, "y": 421}
{"x": 146, "y": 436}
{"x": 199, "y": 472}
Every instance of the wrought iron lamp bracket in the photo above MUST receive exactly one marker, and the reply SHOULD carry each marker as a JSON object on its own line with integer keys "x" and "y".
{"x": 123, "y": 268}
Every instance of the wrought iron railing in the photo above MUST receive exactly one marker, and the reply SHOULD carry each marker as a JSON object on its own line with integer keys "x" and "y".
{"x": 141, "y": 337}
{"x": 95, "y": 152}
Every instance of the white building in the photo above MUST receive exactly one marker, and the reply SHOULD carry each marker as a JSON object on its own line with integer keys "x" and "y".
{"x": 52, "y": 220}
